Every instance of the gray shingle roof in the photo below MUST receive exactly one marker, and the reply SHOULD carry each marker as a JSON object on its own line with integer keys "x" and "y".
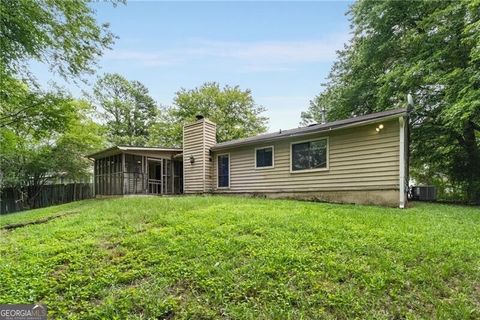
{"x": 311, "y": 129}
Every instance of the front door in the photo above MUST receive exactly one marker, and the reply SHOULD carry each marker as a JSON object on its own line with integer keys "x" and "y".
{"x": 155, "y": 176}
{"x": 160, "y": 176}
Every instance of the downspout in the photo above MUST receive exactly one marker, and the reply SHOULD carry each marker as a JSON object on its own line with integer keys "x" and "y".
{"x": 203, "y": 155}
{"x": 402, "y": 162}
{"x": 183, "y": 159}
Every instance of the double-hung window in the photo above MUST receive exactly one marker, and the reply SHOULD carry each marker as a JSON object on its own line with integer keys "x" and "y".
{"x": 309, "y": 155}
{"x": 223, "y": 170}
{"x": 264, "y": 157}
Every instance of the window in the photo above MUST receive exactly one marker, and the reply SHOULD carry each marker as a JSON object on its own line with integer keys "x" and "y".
{"x": 264, "y": 157}
{"x": 310, "y": 155}
{"x": 223, "y": 171}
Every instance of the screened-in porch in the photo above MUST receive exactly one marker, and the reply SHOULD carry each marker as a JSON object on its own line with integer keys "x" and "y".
{"x": 132, "y": 170}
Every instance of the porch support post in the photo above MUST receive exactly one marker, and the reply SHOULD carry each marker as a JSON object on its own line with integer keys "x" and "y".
{"x": 161, "y": 176}
{"x": 109, "y": 176}
{"x": 172, "y": 175}
{"x": 144, "y": 176}
{"x": 95, "y": 172}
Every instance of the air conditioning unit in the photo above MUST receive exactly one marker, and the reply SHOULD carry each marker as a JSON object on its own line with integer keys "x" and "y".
{"x": 424, "y": 193}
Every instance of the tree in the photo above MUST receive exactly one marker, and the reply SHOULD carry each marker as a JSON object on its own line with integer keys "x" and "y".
{"x": 232, "y": 109}
{"x": 33, "y": 157}
{"x": 62, "y": 34}
{"x": 23, "y": 108}
{"x": 167, "y": 131}
{"x": 428, "y": 48}
{"x": 42, "y": 133}
{"x": 127, "y": 108}
{"x": 28, "y": 117}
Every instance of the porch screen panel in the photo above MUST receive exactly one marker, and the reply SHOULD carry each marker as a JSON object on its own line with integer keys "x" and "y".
{"x": 117, "y": 175}
{"x": 134, "y": 174}
{"x": 164, "y": 176}
{"x": 178, "y": 176}
{"x": 95, "y": 176}
{"x": 169, "y": 177}
{"x": 103, "y": 178}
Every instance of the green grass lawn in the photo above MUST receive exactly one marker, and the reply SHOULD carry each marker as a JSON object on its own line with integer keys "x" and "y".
{"x": 238, "y": 258}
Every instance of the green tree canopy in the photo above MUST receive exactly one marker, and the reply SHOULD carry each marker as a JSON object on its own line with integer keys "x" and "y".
{"x": 127, "y": 108}
{"x": 62, "y": 34}
{"x": 231, "y": 108}
{"x": 22, "y": 108}
{"x": 430, "y": 49}
{"x": 38, "y": 151}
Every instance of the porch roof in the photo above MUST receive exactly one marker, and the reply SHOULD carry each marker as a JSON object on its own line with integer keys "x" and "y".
{"x": 120, "y": 149}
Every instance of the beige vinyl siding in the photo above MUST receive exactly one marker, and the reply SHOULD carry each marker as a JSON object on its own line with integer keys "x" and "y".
{"x": 210, "y": 140}
{"x": 193, "y": 146}
{"x": 359, "y": 159}
{"x": 197, "y": 140}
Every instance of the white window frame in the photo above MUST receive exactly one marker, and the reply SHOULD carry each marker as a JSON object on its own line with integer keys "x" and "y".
{"x": 310, "y": 170}
{"x": 273, "y": 158}
{"x": 229, "y": 171}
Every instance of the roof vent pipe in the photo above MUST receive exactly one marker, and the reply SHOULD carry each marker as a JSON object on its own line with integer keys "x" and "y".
{"x": 323, "y": 113}
{"x": 199, "y": 117}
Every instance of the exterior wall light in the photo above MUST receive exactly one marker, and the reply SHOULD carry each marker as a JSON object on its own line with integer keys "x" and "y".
{"x": 192, "y": 159}
{"x": 380, "y": 127}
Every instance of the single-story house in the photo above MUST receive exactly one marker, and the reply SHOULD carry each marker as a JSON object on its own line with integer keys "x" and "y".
{"x": 358, "y": 160}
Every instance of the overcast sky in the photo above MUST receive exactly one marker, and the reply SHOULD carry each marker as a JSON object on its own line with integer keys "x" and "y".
{"x": 282, "y": 51}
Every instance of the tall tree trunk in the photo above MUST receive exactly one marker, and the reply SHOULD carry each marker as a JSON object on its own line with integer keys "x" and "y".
{"x": 473, "y": 165}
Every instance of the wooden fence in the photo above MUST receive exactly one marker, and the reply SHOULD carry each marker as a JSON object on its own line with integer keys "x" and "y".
{"x": 12, "y": 200}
